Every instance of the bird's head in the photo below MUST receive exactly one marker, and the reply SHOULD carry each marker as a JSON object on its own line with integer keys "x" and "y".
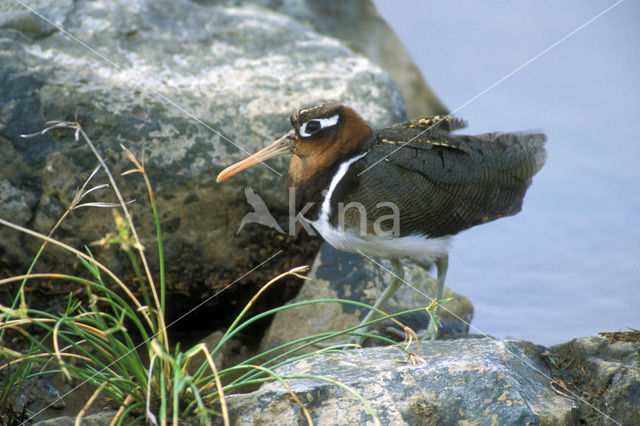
{"x": 321, "y": 136}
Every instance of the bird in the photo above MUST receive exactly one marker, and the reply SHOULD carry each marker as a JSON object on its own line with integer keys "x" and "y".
{"x": 260, "y": 214}
{"x": 402, "y": 192}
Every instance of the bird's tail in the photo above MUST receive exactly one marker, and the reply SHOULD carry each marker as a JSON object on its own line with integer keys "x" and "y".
{"x": 510, "y": 161}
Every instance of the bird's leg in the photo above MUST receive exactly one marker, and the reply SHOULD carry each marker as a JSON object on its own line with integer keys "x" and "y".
{"x": 398, "y": 275}
{"x": 442, "y": 263}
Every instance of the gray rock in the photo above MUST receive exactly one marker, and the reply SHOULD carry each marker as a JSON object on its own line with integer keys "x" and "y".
{"x": 604, "y": 373}
{"x": 359, "y": 25}
{"x": 472, "y": 381}
{"x": 99, "y": 419}
{"x": 35, "y": 394}
{"x": 14, "y": 16}
{"x": 187, "y": 86}
{"x": 336, "y": 274}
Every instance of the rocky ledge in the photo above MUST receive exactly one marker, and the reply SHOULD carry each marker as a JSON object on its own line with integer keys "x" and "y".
{"x": 470, "y": 381}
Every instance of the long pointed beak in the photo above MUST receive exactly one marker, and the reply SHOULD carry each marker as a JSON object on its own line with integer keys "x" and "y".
{"x": 280, "y": 147}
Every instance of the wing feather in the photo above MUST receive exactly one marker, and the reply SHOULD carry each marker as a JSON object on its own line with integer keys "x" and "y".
{"x": 442, "y": 183}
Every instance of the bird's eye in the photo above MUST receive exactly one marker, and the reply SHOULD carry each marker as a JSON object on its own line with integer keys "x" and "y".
{"x": 313, "y": 126}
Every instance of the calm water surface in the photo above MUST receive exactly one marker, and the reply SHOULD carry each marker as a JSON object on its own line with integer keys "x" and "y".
{"x": 569, "y": 264}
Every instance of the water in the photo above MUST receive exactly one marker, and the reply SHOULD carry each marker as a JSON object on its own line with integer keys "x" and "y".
{"x": 568, "y": 265}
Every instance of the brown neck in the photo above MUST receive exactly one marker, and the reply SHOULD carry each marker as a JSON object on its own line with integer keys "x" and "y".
{"x": 310, "y": 187}
{"x": 310, "y": 192}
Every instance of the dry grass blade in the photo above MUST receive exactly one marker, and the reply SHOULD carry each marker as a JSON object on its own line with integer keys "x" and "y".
{"x": 53, "y": 125}
{"x": 409, "y": 337}
{"x": 158, "y": 350}
{"x": 128, "y": 400}
{"x": 56, "y": 348}
{"x": 38, "y": 356}
{"x": 14, "y": 324}
{"x": 409, "y": 334}
{"x": 295, "y": 272}
{"x": 139, "y": 169}
{"x": 101, "y": 204}
{"x": 82, "y": 192}
{"x": 148, "y": 412}
{"x": 90, "y": 329}
{"x": 219, "y": 387}
{"x": 89, "y": 402}
{"x": 21, "y": 277}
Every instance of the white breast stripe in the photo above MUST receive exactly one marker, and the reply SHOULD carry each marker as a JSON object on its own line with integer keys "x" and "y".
{"x": 325, "y": 212}
{"x": 418, "y": 248}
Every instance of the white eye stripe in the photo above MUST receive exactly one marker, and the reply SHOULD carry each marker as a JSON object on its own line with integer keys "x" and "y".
{"x": 324, "y": 123}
